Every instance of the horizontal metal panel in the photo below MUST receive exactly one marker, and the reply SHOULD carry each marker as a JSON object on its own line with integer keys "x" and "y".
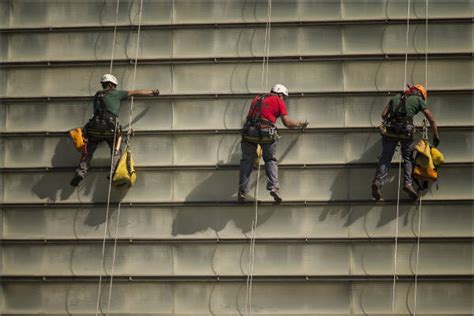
{"x": 221, "y": 185}
{"x": 369, "y": 9}
{"x": 211, "y": 222}
{"x": 289, "y": 299}
{"x": 47, "y": 14}
{"x": 237, "y": 43}
{"x": 227, "y": 113}
{"x": 214, "y": 149}
{"x": 334, "y": 76}
{"x": 335, "y": 259}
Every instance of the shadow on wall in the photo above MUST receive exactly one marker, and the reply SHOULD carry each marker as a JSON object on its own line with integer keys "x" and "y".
{"x": 55, "y": 187}
{"x": 188, "y": 222}
{"x": 387, "y": 214}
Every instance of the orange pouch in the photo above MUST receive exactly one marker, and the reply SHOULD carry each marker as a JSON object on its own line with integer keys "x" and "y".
{"x": 77, "y": 137}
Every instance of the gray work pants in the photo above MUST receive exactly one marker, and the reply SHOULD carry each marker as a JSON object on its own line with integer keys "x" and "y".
{"x": 88, "y": 153}
{"x": 249, "y": 153}
{"x": 388, "y": 149}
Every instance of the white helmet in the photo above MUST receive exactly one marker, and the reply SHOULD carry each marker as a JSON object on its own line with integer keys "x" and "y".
{"x": 279, "y": 88}
{"x": 109, "y": 78}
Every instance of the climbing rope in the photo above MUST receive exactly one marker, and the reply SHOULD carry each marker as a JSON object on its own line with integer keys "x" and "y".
{"x": 395, "y": 254}
{"x": 127, "y": 147}
{"x": 114, "y": 145}
{"x": 263, "y": 86}
{"x": 425, "y": 136}
{"x": 114, "y": 36}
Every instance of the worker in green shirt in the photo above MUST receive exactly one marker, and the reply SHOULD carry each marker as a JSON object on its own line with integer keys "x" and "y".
{"x": 398, "y": 127}
{"x": 104, "y": 125}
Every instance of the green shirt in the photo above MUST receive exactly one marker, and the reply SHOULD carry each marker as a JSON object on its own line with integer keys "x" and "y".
{"x": 413, "y": 104}
{"x": 113, "y": 98}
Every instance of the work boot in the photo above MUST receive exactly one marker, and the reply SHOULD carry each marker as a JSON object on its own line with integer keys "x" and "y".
{"x": 408, "y": 188}
{"x": 276, "y": 195}
{"x": 241, "y": 197}
{"x": 76, "y": 180}
{"x": 376, "y": 191}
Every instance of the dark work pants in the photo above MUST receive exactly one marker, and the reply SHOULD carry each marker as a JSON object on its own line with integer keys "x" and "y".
{"x": 88, "y": 153}
{"x": 389, "y": 145}
{"x": 249, "y": 153}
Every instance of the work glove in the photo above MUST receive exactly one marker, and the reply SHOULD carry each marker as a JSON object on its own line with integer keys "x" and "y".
{"x": 156, "y": 92}
{"x": 436, "y": 141}
{"x": 303, "y": 125}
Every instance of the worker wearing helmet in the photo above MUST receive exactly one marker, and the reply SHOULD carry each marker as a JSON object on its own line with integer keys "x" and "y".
{"x": 104, "y": 125}
{"x": 260, "y": 129}
{"x": 398, "y": 127}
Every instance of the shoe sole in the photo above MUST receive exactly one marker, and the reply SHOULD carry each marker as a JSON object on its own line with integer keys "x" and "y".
{"x": 412, "y": 195}
{"x": 375, "y": 193}
{"x": 276, "y": 197}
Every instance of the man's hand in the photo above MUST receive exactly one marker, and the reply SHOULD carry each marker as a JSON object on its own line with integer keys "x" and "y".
{"x": 436, "y": 141}
{"x": 303, "y": 125}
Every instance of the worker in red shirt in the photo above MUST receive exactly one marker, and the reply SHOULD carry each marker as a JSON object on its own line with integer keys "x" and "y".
{"x": 260, "y": 129}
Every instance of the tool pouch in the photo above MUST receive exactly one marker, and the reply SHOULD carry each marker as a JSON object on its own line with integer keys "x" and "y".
{"x": 254, "y": 131}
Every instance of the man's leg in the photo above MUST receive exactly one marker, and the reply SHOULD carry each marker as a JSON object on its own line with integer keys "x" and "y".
{"x": 249, "y": 152}
{"x": 271, "y": 169}
{"x": 87, "y": 154}
{"x": 407, "y": 155}
{"x": 381, "y": 174}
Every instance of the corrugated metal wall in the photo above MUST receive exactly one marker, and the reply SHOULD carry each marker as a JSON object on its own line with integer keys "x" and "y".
{"x": 183, "y": 240}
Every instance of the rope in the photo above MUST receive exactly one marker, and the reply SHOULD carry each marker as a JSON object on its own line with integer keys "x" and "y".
{"x": 111, "y": 173}
{"x": 135, "y": 66}
{"x": 263, "y": 85}
{"x": 395, "y": 255}
{"x": 266, "y": 48}
{"x": 99, "y": 290}
{"x": 425, "y": 135}
{"x": 248, "y": 298}
{"x": 113, "y": 39}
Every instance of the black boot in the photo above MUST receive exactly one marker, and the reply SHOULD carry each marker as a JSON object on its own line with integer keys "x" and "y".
{"x": 76, "y": 180}
{"x": 376, "y": 191}
{"x": 408, "y": 188}
{"x": 276, "y": 195}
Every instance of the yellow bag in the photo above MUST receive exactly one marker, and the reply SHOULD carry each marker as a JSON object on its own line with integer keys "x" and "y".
{"x": 437, "y": 156}
{"x": 426, "y": 161}
{"x": 125, "y": 175}
{"x": 256, "y": 162}
{"x": 77, "y": 137}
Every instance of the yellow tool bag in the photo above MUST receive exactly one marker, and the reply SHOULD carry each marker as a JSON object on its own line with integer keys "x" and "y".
{"x": 259, "y": 152}
{"x": 426, "y": 162}
{"x": 125, "y": 175}
{"x": 77, "y": 136}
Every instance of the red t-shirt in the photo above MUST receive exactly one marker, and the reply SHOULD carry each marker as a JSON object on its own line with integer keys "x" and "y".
{"x": 272, "y": 108}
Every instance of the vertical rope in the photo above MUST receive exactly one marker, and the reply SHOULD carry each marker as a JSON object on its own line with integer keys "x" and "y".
{"x": 111, "y": 174}
{"x": 113, "y": 39}
{"x": 395, "y": 254}
{"x": 263, "y": 85}
{"x": 99, "y": 290}
{"x": 406, "y": 46}
{"x": 135, "y": 64}
{"x": 109, "y": 300}
{"x": 425, "y": 135}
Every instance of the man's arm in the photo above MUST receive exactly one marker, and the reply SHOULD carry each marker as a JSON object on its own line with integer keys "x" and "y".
{"x": 290, "y": 123}
{"x": 433, "y": 125}
{"x": 143, "y": 93}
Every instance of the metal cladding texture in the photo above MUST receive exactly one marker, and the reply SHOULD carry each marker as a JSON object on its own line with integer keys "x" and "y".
{"x": 182, "y": 239}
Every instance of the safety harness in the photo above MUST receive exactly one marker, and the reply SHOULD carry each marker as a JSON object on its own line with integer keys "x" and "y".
{"x": 102, "y": 124}
{"x": 398, "y": 125}
{"x": 256, "y": 129}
